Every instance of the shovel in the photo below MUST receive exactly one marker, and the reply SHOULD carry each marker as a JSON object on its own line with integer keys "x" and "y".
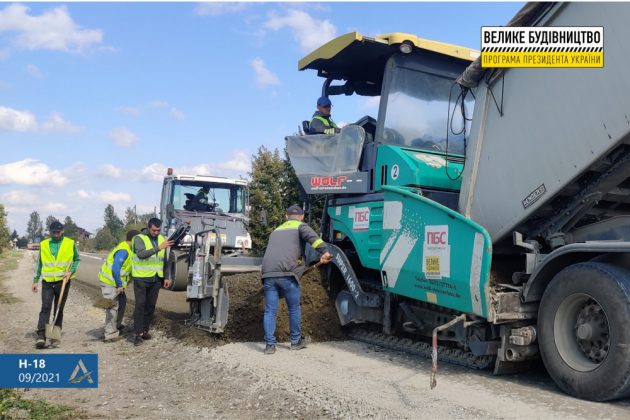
{"x": 311, "y": 268}
{"x": 53, "y": 332}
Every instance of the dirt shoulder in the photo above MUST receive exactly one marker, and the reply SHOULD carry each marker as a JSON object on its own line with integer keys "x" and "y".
{"x": 171, "y": 378}
{"x": 163, "y": 377}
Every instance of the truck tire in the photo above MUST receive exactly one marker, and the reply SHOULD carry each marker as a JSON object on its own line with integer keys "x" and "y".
{"x": 583, "y": 331}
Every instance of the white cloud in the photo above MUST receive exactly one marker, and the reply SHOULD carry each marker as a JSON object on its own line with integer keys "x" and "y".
{"x": 216, "y": 9}
{"x": 136, "y": 111}
{"x": 14, "y": 120}
{"x": 104, "y": 196}
{"x": 158, "y": 104}
{"x": 239, "y": 162}
{"x": 34, "y": 71}
{"x": 54, "y": 30}
{"x": 177, "y": 114}
{"x": 122, "y": 136}
{"x": 370, "y": 102}
{"x": 17, "y": 210}
{"x": 76, "y": 169}
{"x": 53, "y": 207}
{"x": 309, "y": 32}
{"x": 264, "y": 76}
{"x": 130, "y": 110}
{"x": 153, "y": 172}
{"x": 83, "y": 194}
{"x": 174, "y": 112}
{"x": 30, "y": 172}
{"x": 19, "y": 198}
{"x": 56, "y": 123}
{"x": 146, "y": 208}
{"x": 111, "y": 171}
{"x": 113, "y": 197}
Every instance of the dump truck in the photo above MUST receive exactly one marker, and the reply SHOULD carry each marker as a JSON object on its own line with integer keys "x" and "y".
{"x": 481, "y": 218}
{"x": 207, "y": 216}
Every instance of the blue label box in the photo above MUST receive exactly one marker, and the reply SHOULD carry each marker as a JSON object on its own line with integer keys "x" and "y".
{"x": 49, "y": 370}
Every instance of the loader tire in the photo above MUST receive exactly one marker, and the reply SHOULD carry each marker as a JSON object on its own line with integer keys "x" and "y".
{"x": 583, "y": 331}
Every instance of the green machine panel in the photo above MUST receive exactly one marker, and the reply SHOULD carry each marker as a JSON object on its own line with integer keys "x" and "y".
{"x": 433, "y": 254}
{"x": 362, "y": 223}
{"x": 401, "y": 166}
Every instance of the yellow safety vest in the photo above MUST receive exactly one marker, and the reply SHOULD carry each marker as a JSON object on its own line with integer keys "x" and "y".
{"x": 151, "y": 266}
{"x": 106, "y": 276}
{"x": 54, "y": 268}
{"x": 325, "y": 121}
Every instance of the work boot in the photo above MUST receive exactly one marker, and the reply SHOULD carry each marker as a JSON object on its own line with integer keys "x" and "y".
{"x": 40, "y": 343}
{"x": 270, "y": 349}
{"x": 302, "y": 343}
{"x": 55, "y": 343}
{"x": 113, "y": 339}
{"x": 137, "y": 340}
{"x": 146, "y": 336}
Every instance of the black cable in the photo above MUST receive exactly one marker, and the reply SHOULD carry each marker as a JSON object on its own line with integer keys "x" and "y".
{"x": 449, "y": 124}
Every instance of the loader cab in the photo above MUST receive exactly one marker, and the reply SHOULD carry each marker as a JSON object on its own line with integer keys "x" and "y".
{"x": 201, "y": 194}
{"x": 417, "y": 138}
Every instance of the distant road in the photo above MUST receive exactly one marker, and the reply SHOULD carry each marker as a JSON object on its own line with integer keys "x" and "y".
{"x": 88, "y": 274}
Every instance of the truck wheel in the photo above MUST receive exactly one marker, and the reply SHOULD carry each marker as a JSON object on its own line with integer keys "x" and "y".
{"x": 583, "y": 331}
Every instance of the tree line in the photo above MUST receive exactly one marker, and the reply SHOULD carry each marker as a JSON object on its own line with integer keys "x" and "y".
{"x": 5, "y": 236}
{"x": 109, "y": 235}
{"x": 114, "y": 228}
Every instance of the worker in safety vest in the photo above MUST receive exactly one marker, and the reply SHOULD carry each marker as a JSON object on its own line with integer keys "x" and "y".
{"x": 282, "y": 267}
{"x": 114, "y": 275}
{"x": 57, "y": 254}
{"x": 322, "y": 123}
{"x": 150, "y": 271}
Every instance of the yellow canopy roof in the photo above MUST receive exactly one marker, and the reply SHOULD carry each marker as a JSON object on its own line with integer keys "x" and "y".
{"x": 351, "y": 55}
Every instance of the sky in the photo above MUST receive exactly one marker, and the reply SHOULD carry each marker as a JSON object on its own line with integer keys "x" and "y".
{"x": 98, "y": 99}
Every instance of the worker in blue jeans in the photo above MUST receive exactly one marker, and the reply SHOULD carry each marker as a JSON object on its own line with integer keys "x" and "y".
{"x": 282, "y": 268}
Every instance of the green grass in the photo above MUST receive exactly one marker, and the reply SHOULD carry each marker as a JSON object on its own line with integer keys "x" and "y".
{"x": 8, "y": 298}
{"x": 13, "y": 406}
{"x": 8, "y": 261}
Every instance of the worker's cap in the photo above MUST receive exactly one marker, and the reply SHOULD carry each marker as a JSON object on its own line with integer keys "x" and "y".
{"x": 295, "y": 210}
{"x": 324, "y": 101}
{"x": 56, "y": 225}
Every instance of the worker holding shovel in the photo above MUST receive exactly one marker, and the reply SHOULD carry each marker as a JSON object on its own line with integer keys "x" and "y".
{"x": 114, "y": 275}
{"x": 58, "y": 262}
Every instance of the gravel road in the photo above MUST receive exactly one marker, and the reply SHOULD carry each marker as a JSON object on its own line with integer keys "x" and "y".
{"x": 168, "y": 377}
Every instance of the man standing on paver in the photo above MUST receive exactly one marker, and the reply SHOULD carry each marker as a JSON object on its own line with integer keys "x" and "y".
{"x": 57, "y": 254}
{"x": 282, "y": 268}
